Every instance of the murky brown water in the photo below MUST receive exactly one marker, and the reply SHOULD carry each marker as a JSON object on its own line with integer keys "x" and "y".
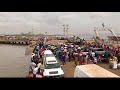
{"x": 13, "y": 62}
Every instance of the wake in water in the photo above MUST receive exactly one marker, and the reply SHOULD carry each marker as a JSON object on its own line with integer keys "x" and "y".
{"x": 28, "y": 50}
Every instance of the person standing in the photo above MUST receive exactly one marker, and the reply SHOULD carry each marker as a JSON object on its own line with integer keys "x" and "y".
{"x": 35, "y": 59}
{"x": 63, "y": 58}
{"x": 67, "y": 55}
{"x": 56, "y": 55}
{"x": 30, "y": 75}
{"x": 60, "y": 55}
{"x": 99, "y": 58}
{"x": 41, "y": 66}
{"x": 32, "y": 66}
{"x": 39, "y": 74}
{"x": 80, "y": 57}
{"x": 86, "y": 59}
{"x": 70, "y": 55}
{"x": 118, "y": 55}
{"x": 35, "y": 70}
{"x": 76, "y": 59}
{"x": 113, "y": 61}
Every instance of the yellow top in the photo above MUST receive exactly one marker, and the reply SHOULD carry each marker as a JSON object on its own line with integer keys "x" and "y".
{"x": 113, "y": 60}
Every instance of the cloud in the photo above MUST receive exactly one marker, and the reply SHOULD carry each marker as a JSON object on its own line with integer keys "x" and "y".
{"x": 79, "y": 22}
{"x": 100, "y": 14}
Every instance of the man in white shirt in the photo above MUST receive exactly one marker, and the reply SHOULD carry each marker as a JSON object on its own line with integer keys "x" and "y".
{"x": 93, "y": 54}
{"x": 35, "y": 70}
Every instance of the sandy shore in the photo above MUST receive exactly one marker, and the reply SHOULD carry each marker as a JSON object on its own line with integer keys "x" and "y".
{"x": 69, "y": 68}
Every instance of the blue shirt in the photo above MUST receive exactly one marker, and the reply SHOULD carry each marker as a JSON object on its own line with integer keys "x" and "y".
{"x": 63, "y": 57}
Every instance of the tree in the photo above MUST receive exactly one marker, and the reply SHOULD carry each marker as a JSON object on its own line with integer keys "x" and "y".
{"x": 22, "y": 33}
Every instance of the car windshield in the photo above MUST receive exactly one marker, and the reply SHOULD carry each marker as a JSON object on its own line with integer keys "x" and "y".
{"x": 51, "y": 66}
{"x": 49, "y": 55}
{"x": 98, "y": 49}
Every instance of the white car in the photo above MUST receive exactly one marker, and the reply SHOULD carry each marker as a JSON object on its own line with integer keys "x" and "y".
{"x": 92, "y": 71}
{"x": 47, "y": 53}
{"x": 52, "y": 68}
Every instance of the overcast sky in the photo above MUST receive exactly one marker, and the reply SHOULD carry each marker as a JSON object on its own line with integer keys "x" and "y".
{"x": 51, "y": 22}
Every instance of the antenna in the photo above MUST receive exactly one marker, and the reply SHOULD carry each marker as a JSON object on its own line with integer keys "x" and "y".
{"x": 103, "y": 25}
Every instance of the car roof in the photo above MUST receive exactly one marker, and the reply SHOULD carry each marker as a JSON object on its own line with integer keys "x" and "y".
{"x": 51, "y": 60}
{"x": 48, "y": 52}
{"x": 97, "y": 48}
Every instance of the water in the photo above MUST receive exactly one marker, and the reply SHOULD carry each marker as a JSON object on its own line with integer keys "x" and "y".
{"x": 13, "y": 62}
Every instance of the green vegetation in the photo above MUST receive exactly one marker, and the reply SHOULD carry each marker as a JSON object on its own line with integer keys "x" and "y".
{"x": 23, "y": 34}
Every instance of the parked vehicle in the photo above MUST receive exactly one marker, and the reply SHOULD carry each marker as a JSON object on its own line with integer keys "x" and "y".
{"x": 52, "y": 68}
{"x": 91, "y": 71}
{"x": 98, "y": 51}
{"x": 101, "y": 52}
{"x": 47, "y": 53}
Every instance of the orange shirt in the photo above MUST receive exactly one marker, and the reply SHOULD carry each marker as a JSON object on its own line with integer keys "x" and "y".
{"x": 29, "y": 76}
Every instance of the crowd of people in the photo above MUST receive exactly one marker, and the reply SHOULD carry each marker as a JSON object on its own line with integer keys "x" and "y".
{"x": 67, "y": 52}
{"x": 36, "y": 65}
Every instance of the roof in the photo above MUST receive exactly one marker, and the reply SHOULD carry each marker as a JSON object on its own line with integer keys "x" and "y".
{"x": 93, "y": 70}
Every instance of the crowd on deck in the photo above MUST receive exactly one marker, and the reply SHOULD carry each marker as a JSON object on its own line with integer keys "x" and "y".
{"x": 81, "y": 53}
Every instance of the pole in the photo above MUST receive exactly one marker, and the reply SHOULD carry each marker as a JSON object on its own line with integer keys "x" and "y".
{"x": 67, "y": 30}
{"x": 64, "y": 30}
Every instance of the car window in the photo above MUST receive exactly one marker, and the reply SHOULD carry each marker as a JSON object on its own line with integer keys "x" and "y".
{"x": 100, "y": 50}
{"x": 52, "y": 66}
{"x": 49, "y": 55}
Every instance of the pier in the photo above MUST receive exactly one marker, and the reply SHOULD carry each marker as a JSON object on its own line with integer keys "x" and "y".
{"x": 20, "y": 40}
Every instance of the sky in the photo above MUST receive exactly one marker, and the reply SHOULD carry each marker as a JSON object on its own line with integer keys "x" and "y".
{"x": 52, "y": 22}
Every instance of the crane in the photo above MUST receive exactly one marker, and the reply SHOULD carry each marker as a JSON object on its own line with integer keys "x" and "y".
{"x": 96, "y": 29}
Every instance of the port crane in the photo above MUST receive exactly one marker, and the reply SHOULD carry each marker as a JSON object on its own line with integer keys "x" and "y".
{"x": 103, "y": 28}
